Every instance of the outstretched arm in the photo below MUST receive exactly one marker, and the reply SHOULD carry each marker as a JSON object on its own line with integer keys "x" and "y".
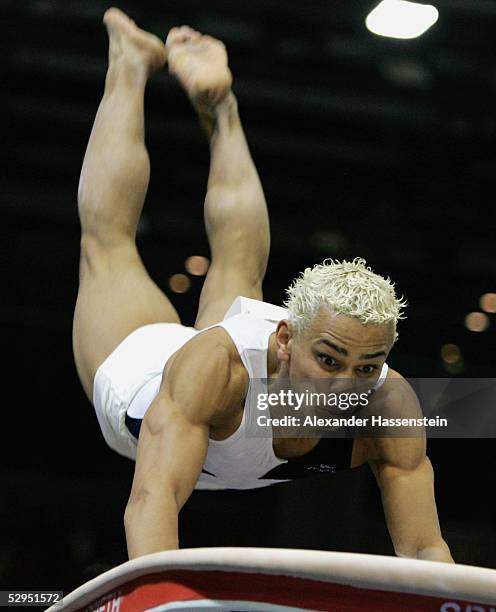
{"x": 171, "y": 451}
{"x": 409, "y": 505}
{"x": 406, "y": 480}
{"x": 173, "y": 443}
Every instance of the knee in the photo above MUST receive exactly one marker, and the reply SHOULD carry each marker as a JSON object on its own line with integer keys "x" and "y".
{"x": 98, "y": 252}
{"x": 96, "y": 222}
{"x": 101, "y": 215}
{"x": 91, "y": 254}
{"x": 89, "y": 212}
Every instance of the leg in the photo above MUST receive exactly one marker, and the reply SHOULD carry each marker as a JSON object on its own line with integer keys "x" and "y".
{"x": 236, "y": 215}
{"x": 116, "y": 295}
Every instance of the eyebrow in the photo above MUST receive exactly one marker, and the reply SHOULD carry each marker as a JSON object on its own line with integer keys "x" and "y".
{"x": 342, "y": 351}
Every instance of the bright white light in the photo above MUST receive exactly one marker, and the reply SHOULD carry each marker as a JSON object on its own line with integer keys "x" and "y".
{"x": 401, "y": 19}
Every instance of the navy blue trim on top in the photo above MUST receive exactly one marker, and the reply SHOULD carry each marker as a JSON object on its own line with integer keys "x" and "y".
{"x": 328, "y": 456}
{"x": 134, "y": 425}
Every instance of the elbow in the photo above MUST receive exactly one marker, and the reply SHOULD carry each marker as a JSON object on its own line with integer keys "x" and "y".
{"x": 130, "y": 514}
{"x": 144, "y": 502}
{"x": 136, "y": 506}
{"x": 135, "y": 501}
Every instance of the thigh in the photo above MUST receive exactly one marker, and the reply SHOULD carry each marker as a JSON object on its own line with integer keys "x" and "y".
{"x": 222, "y": 285}
{"x": 116, "y": 296}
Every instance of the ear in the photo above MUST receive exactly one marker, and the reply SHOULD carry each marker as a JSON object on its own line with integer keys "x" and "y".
{"x": 284, "y": 338}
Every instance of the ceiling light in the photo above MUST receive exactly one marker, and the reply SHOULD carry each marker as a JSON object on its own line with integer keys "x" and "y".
{"x": 401, "y": 19}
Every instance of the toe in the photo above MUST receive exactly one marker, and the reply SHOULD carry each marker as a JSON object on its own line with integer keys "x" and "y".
{"x": 109, "y": 15}
{"x": 193, "y": 34}
{"x": 115, "y": 13}
{"x": 174, "y": 36}
{"x": 181, "y": 34}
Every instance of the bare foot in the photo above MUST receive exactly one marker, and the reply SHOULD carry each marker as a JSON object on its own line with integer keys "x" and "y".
{"x": 200, "y": 64}
{"x": 126, "y": 40}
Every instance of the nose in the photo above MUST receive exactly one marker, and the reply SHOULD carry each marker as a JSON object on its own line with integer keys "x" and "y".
{"x": 348, "y": 382}
{"x": 344, "y": 382}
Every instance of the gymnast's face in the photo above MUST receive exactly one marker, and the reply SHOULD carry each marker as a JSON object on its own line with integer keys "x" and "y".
{"x": 335, "y": 346}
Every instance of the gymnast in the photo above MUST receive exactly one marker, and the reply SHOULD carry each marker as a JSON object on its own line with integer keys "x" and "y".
{"x": 173, "y": 397}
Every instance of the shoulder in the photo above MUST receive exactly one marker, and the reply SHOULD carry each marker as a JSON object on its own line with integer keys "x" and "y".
{"x": 402, "y": 448}
{"x": 392, "y": 374}
{"x": 206, "y": 375}
{"x": 397, "y": 398}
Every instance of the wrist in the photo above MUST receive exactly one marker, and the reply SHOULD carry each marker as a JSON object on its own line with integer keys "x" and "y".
{"x": 435, "y": 552}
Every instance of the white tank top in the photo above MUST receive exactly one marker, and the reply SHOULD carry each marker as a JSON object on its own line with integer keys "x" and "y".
{"x": 239, "y": 462}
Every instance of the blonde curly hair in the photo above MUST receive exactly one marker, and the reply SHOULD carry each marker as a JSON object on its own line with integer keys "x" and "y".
{"x": 350, "y": 288}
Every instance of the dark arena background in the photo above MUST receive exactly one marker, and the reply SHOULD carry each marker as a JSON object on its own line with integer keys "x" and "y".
{"x": 366, "y": 146}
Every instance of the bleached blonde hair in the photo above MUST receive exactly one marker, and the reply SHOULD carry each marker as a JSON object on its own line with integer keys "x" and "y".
{"x": 348, "y": 288}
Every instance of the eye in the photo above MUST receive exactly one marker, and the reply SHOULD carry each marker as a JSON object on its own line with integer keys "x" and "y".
{"x": 326, "y": 359}
{"x": 372, "y": 369}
